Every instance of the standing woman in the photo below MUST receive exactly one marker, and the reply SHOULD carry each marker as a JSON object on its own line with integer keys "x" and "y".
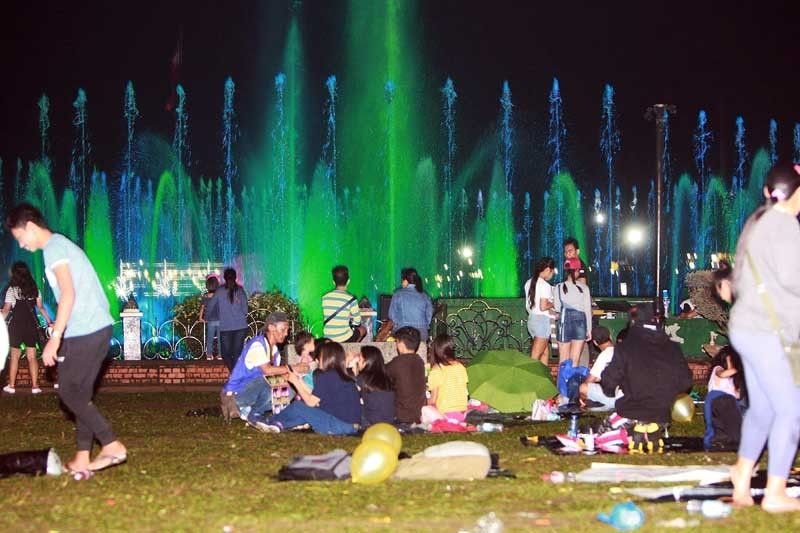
{"x": 538, "y": 302}
{"x": 573, "y": 301}
{"x": 22, "y": 299}
{"x": 410, "y": 306}
{"x": 231, "y": 302}
{"x": 764, "y": 320}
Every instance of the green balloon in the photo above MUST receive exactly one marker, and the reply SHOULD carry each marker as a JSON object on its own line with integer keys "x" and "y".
{"x": 683, "y": 408}
{"x": 373, "y": 461}
{"x": 386, "y": 433}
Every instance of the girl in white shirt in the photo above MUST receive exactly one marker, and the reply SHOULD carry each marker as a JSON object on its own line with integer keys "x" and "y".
{"x": 538, "y": 302}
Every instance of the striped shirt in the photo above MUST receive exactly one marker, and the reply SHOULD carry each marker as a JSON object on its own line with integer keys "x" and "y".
{"x": 338, "y": 327}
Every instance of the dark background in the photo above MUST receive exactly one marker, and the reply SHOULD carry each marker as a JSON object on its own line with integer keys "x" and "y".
{"x": 727, "y": 58}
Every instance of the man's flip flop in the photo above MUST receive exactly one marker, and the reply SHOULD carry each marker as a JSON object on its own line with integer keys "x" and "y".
{"x": 108, "y": 460}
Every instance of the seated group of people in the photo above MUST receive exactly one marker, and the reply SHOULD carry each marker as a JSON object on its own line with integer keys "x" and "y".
{"x": 641, "y": 376}
{"x": 337, "y": 393}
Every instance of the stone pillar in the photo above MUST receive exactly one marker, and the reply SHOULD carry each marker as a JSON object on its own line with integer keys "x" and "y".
{"x": 131, "y": 334}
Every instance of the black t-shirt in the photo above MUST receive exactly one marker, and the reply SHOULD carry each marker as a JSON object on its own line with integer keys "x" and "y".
{"x": 407, "y": 372}
{"x": 337, "y": 396}
{"x": 378, "y": 407}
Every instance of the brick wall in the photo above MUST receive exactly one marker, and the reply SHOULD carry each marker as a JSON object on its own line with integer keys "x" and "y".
{"x": 145, "y": 373}
{"x": 161, "y": 373}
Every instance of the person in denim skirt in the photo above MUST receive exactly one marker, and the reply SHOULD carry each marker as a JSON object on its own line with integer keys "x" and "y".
{"x": 574, "y": 303}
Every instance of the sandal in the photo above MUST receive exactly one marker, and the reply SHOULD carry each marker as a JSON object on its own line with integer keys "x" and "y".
{"x": 108, "y": 461}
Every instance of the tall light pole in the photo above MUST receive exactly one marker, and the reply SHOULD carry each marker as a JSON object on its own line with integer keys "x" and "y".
{"x": 660, "y": 114}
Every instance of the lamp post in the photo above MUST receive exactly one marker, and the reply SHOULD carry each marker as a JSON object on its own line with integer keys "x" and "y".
{"x": 660, "y": 114}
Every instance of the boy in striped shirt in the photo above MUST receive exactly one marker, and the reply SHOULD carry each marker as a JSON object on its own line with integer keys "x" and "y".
{"x": 340, "y": 310}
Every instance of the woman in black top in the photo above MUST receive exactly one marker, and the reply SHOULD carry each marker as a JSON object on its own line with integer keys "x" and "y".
{"x": 376, "y": 388}
{"x": 19, "y": 309}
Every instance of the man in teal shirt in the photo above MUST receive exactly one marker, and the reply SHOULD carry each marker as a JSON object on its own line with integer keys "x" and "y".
{"x": 80, "y": 337}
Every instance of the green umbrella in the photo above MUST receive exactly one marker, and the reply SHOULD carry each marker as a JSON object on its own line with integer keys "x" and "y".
{"x": 509, "y": 380}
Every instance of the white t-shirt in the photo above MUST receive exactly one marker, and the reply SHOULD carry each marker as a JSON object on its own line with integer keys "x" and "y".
{"x": 542, "y": 290}
{"x": 257, "y": 356}
{"x": 602, "y": 361}
{"x": 13, "y": 294}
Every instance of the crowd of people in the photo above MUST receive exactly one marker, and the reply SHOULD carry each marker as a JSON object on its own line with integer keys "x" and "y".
{"x": 753, "y": 389}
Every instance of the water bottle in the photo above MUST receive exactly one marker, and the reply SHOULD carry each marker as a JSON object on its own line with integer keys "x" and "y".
{"x": 572, "y": 429}
{"x": 490, "y": 427}
{"x": 665, "y": 299}
{"x": 715, "y": 509}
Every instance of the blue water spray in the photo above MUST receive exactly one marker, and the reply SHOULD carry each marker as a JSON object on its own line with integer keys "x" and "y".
{"x": 507, "y": 135}
{"x": 557, "y": 131}
{"x": 610, "y": 142}
{"x": 773, "y": 141}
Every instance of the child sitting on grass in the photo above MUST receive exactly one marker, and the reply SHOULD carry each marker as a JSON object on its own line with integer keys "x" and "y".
{"x": 447, "y": 383}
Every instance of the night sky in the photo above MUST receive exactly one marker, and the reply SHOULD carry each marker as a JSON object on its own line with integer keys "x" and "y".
{"x": 728, "y": 58}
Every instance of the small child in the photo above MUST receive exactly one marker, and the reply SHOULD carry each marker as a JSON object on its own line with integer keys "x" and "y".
{"x": 724, "y": 402}
{"x": 538, "y": 302}
{"x": 306, "y": 349}
{"x": 407, "y": 372}
{"x": 210, "y": 316}
{"x": 447, "y": 383}
{"x": 726, "y": 373}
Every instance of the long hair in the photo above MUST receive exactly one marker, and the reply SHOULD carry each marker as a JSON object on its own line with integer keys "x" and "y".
{"x": 570, "y": 275}
{"x": 443, "y": 351}
{"x": 373, "y": 376}
{"x": 230, "y": 282}
{"x": 21, "y": 277}
{"x": 332, "y": 357}
{"x": 412, "y": 277}
{"x": 736, "y": 362}
{"x": 541, "y": 265}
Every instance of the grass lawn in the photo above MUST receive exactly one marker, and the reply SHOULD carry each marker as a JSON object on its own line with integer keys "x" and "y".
{"x": 186, "y": 473}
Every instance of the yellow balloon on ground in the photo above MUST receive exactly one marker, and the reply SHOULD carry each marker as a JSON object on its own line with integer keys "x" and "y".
{"x": 683, "y": 409}
{"x": 386, "y": 433}
{"x": 373, "y": 461}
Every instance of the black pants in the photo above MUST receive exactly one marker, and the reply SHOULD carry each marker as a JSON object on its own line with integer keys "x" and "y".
{"x": 82, "y": 359}
{"x": 230, "y": 346}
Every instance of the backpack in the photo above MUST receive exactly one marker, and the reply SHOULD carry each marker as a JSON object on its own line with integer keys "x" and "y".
{"x": 334, "y": 465}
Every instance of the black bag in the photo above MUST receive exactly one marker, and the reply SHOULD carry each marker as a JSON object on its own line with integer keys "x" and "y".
{"x": 41, "y": 332}
{"x": 334, "y": 465}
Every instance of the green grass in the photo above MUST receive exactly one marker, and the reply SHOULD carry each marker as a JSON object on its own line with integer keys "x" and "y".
{"x": 185, "y": 473}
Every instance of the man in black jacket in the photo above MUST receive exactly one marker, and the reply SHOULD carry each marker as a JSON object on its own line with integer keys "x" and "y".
{"x": 650, "y": 369}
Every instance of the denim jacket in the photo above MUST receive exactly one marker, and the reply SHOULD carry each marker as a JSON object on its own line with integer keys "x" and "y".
{"x": 411, "y": 308}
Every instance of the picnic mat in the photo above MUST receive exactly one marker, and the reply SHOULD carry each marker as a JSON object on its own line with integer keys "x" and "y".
{"x": 622, "y": 473}
{"x": 713, "y": 491}
{"x": 671, "y": 445}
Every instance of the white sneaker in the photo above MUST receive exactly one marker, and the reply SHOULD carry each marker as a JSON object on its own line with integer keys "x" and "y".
{"x": 36, "y": 390}
{"x": 263, "y": 426}
{"x": 9, "y": 389}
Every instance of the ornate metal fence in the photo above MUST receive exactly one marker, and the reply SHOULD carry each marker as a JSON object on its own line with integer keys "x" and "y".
{"x": 176, "y": 340}
{"x": 480, "y": 327}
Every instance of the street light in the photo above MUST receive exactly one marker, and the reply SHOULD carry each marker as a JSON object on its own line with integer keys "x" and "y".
{"x": 599, "y": 218}
{"x": 634, "y": 236}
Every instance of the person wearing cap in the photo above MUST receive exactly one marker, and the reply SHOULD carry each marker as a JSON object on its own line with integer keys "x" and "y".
{"x": 764, "y": 322}
{"x": 246, "y": 390}
{"x": 573, "y": 302}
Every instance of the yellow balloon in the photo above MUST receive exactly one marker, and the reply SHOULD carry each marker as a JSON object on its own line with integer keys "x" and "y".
{"x": 385, "y": 432}
{"x": 373, "y": 461}
{"x": 683, "y": 409}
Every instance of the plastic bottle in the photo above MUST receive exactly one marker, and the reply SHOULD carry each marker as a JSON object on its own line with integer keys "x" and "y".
{"x": 694, "y": 506}
{"x": 572, "y": 428}
{"x": 715, "y": 509}
{"x": 666, "y": 300}
{"x": 490, "y": 427}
